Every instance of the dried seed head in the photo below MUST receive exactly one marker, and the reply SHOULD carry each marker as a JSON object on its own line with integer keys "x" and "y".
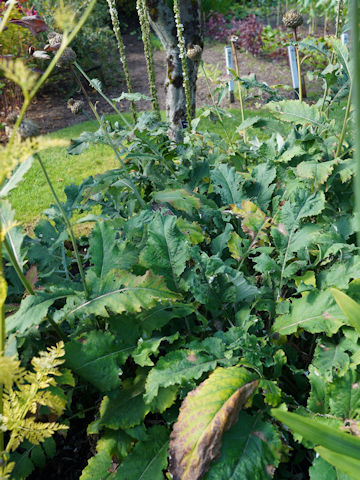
{"x": 194, "y": 52}
{"x": 54, "y": 38}
{"x": 67, "y": 58}
{"x": 292, "y": 19}
{"x": 75, "y": 106}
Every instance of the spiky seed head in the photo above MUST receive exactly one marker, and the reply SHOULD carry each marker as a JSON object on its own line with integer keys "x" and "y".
{"x": 194, "y": 52}
{"x": 292, "y": 19}
{"x": 75, "y": 106}
{"x": 54, "y": 38}
{"x": 67, "y": 58}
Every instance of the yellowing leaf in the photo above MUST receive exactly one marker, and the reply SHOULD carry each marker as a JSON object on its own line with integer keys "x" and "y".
{"x": 254, "y": 220}
{"x": 349, "y": 307}
{"x": 206, "y": 413}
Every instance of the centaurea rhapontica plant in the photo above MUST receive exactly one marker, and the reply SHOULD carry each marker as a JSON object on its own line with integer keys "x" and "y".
{"x": 121, "y": 46}
{"x": 183, "y": 57}
{"x": 145, "y": 32}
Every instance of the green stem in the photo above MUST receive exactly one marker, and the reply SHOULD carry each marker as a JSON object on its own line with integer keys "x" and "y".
{"x": 346, "y": 118}
{"x": 27, "y": 285}
{"x": 88, "y": 79}
{"x": 338, "y": 17}
{"x": 121, "y": 46}
{"x": 299, "y": 73}
{"x": 110, "y": 141}
{"x": 213, "y": 100}
{"x": 356, "y": 91}
{"x": 67, "y": 223}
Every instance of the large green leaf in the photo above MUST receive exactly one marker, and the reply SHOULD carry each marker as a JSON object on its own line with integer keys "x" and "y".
{"x": 349, "y": 307}
{"x": 34, "y": 309}
{"x": 179, "y": 199}
{"x": 177, "y": 367}
{"x": 320, "y": 434}
{"x": 124, "y": 407}
{"x": 299, "y": 113}
{"x": 166, "y": 250}
{"x": 97, "y": 358}
{"x": 330, "y": 360}
{"x": 249, "y": 451}
{"x": 119, "y": 292}
{"x": 206, "y": 413}
{"x": 227, "y": 183}
{"x": 318, "y": 171}
{"x": 345, "y": 396}
{"x": 147, "y": 460}
{"x": 315, "y": 312}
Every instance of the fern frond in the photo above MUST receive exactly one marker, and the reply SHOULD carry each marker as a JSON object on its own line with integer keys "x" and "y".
{"x": 10, "y": 371}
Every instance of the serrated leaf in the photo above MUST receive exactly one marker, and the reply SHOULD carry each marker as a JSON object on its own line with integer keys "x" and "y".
{"x": 179, "y": 199}
{"x": 177, "y": 367}
{"x": 132, "y": 97}
{"x": 147, "y": 460}
{"x": 227, "y": 183}
{"x": 318, "y": 171}
{"x": 196, "y": 437}
{"x": 249, "y": 451}
{"x": 235, "y": 246}
{"x": 299, "y": 113}
{"x": 167, "y": 249}
{"x": 34, "y": 309}
{"x": 120, "y": 292}
{"x": 97, "y": 358}
{"x": 330, "y": 360}
{"x": 103, "y": 248}
{"x": 342, "y": 53}
{"x": 192, "y": 230}
{"x": 271, "y": 392}
{"x": 315, "y": 312}
{"x": 145, "y": 348}
{"x": 111, "y": 444}
{"x": 261, "y": 189}
{"x": 345, "y": 396}
{"x": 124, "y": 407}
{"x": 290, "y": 153}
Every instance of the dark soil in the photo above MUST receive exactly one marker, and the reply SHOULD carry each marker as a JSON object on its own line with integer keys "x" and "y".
{"x": 50, "y": 111}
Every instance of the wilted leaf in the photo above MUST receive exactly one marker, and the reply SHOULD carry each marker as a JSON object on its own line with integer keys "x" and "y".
{"x": 206, "y": 413}
{"x": 179, "y": 199}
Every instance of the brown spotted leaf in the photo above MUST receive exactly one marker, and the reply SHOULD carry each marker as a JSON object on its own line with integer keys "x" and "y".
{"x": 206, "y": 413}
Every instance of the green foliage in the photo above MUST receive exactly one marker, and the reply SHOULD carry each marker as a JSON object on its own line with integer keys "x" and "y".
{"x": 24, "y": 392}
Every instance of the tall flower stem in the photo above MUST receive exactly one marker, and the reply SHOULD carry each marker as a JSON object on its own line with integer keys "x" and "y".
{"x": 102, "y": 94}
{"x": 67, "y": 223}
{"x": 121, "y": 46}
{"x": 213, "y": 101}
{"x": 183, "y": 56}
{"x": 356, "y": 92}
{"x": 338, "y": 18}
{"x": 346, "y": 118}
{"x": 110, "y": 142}
{"x": 145, "y": 32}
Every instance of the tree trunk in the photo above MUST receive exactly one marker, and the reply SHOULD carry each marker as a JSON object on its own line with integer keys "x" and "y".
{"x": 163, "y": 23}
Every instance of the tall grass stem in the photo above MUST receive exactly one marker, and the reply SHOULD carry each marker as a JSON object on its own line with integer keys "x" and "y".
{"x": 356, "y": 98}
